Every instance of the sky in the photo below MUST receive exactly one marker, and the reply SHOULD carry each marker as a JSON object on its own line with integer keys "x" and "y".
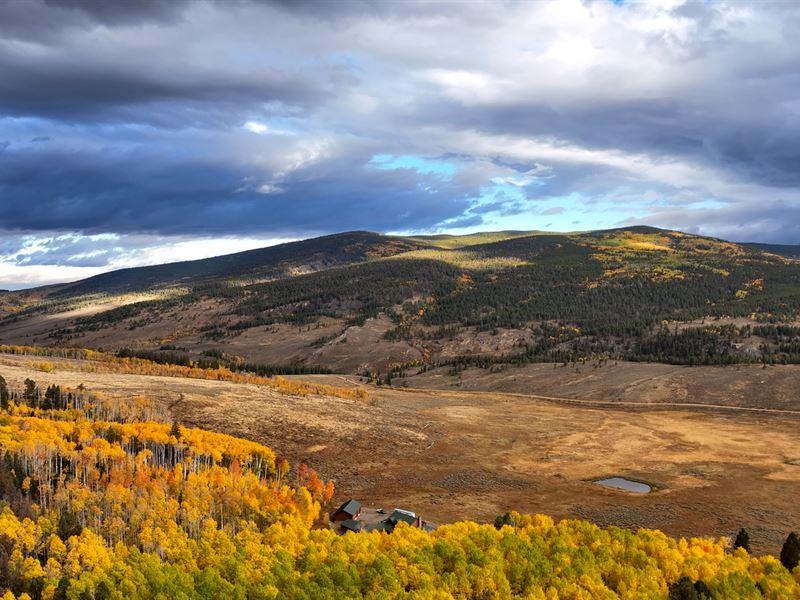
{"x": 142, "y": 132}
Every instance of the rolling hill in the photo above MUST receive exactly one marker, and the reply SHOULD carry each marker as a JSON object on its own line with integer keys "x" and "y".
{"x": 361, "y": 301}
{"x": 273, "y": 262}
{"x": 783, "y": 249}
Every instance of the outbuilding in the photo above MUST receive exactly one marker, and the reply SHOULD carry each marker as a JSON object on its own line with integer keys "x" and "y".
{"x": 352, "y": 525}
{"x": 349, "y": 510}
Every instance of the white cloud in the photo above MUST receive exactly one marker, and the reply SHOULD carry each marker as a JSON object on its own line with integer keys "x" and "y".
{"x": 133, "y": 251}
{"x": 269, "y": 188}
{"x": 256, "y": 127}
{"x": 17, "y": 277}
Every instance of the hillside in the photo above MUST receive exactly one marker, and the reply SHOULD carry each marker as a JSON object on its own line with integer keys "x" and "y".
{"x": 103, "y": 495}
{"x": 359, "y": 302}
{"x": 273, "y": 262}
{"x": 784, "y": 249}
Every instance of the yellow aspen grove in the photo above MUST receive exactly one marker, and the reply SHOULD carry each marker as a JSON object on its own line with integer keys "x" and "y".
{"x": 149, "y": 510}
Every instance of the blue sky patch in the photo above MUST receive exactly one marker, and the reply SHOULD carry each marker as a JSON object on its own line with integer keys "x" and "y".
{"x": 417, "y": 163}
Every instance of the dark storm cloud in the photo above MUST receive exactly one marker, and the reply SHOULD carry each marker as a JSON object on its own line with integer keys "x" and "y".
{"x": 125, "y": 91}
{"x": 122, "y": 13}
{"x": 35, "y": 19}
{"x": 107, "y": 97}
{"x": 90, "y": 193}
{"x": 200, "y": 117}
{"x": 134, "y": 194}
{"x": 141, "y": 61}
{"x": 26, "y": 18}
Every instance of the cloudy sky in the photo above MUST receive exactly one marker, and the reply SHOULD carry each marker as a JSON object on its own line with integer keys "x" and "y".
{"x": 140, "y": 131}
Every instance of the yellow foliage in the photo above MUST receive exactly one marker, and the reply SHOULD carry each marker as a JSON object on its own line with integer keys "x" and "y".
{"x": 100, "y": 362}
{"x": 128, "y": 510}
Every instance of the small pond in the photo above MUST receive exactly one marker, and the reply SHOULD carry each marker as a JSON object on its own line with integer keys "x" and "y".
{"x": 625, "y": 484}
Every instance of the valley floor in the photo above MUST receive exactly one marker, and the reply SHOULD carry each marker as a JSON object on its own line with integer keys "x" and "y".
{"x": 452, "y": 454}
{"x": 618, "y": 382}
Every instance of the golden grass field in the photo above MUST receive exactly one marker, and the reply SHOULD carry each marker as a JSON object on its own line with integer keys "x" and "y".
{"x": 452, "y": 454}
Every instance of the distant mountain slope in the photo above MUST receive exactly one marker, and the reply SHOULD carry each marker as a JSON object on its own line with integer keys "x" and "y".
{"x": 459, "y": 241}
{"x": 275, "y": 261}
{"x": 782, "y": 249}
{"x": 361, "y": 300}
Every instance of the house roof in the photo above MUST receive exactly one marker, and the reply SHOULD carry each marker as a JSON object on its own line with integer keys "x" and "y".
{"x": 351, "y": 507}
{"x": 352, "y": 525}
{"x": 384, "y": 525}
{"x": 402, "y": 515}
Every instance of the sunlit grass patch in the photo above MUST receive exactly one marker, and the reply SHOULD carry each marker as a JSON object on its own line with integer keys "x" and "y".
{"x": 464, "y": 259}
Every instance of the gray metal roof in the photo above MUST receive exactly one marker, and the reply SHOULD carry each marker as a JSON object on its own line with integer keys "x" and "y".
{"x": 351, "y": 507}
{"x": 352, "y": 525}
{"x": 404, "y": 516}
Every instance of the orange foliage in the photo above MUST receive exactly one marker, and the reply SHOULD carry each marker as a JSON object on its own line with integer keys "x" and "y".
{"x": 101, "y": 362}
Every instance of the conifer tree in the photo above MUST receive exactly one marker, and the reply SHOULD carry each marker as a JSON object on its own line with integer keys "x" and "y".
{"x": 175, "y": 431}
{"x": 4, "y": 395}
{"x": 742, "y": 540}
{"x": 31, "y": 392}
{"x": 790, "y": 553}
{"x": 683, "y": 589}
{"x": 703, "y": 592}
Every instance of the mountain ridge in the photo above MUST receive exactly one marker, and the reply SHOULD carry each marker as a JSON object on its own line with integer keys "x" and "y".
{"x": 245, "y": 263}
{"x": 363, "y": 301}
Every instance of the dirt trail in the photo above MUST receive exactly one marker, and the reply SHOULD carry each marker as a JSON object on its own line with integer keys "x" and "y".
{"x": 659, "y": 406}
{"x": 750, "y": 386}
{"x": 610, "y": 404}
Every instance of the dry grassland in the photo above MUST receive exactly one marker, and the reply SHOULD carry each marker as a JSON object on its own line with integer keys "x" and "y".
{"x": 455, "y": 454}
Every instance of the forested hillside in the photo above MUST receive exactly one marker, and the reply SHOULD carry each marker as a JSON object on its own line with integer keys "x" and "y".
{"x": 266, "y": 263}
{"x": 637, "y": 293}
{"x": 102, "y": 499}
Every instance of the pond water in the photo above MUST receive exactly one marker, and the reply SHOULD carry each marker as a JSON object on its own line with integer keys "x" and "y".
{"x": 625, "y": 484}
